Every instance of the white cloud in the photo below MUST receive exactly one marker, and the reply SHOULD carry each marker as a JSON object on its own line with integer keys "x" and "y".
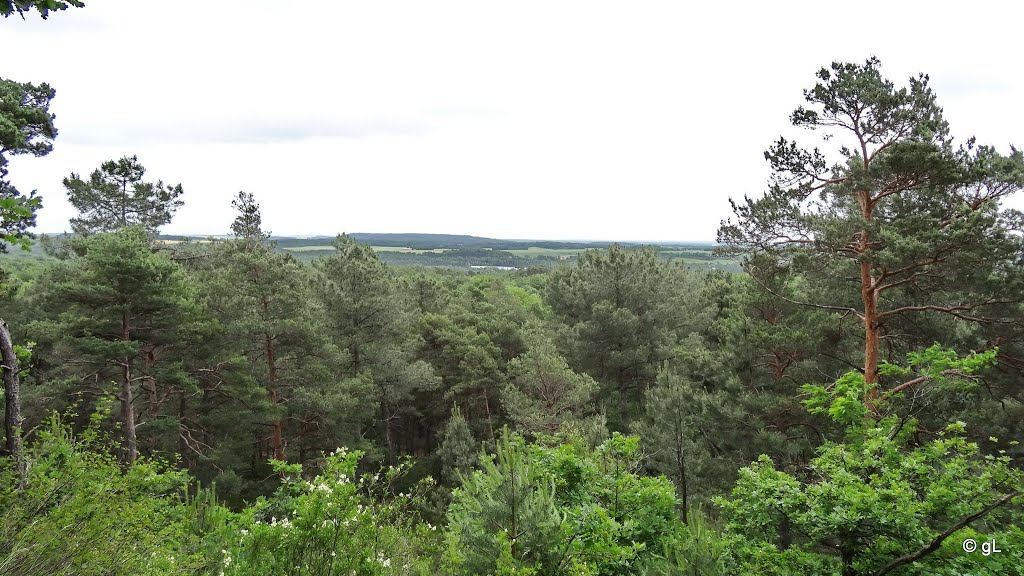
{"x": 529, "y": 119}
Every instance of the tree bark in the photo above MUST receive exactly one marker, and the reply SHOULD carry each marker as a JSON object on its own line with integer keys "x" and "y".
{"x": 681, "y": 464}
{"x": 127, "y": 398}
{"x": 871, "y": 334}
{"x": 869, "y": 295}
{"x": 276, "y": 428}
{"x": 12, "y": 396}
{"x": 487, "y": 410}
{"x": 148, "y": 363}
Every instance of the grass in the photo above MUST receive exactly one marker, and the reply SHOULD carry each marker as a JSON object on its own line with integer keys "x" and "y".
{"x": 534, "y": 251}
{"x": 309, "y": 248}
{"x": 329, "y": 248}
{"x": 408, "y": 250}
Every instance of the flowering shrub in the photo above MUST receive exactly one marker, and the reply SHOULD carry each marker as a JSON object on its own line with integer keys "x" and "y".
{"x": 338, "y": 523}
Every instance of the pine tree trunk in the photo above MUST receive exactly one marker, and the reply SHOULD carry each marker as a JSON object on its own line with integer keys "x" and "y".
{"x": 389, "y": 429}
{"x": 487, "y": 410}
{"x": 276, "y": 428}
{"x": 148, "y": 362}
{"x": 127, "y": 398}
{"x": 681, "y": 463}
{"x": 871, "y": 334}
{"x": 869, "y": 295}
{"x": 12, "y": 395}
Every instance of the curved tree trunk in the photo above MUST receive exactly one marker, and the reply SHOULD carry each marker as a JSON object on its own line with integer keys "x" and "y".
{"x": 12, "y": 396}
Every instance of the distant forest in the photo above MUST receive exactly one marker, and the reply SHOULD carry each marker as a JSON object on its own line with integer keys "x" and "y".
{"x": 457, "y": 251}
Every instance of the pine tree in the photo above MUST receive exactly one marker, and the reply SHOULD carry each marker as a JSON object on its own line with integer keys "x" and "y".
{"x": 915, "y": 222}
{"x": 458, "y": 451}
{"x": 248, "y": 224}
{"x": 506, "y": 499}
{"x": 368, "y": 318}
{"x": 26, "y": 127}
{"x": 543, "y": 393}
{"x": 115, "y": 197}
{"x": 263, "y": 299}
{"x": 116, "y": 306}
{"x": 622, "y": 315}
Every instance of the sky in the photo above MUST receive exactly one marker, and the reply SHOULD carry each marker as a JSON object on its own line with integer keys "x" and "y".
{"x": 533, "y": 120}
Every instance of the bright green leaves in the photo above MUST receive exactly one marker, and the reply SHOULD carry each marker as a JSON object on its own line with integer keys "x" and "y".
{"x": 944, "y": 369}
{"x": 81, "y": 513}
{"x": 942, "y": 365}
{"x": 880, "y": 495}
{"x": 767, "y": 497}
{"x": 17, "y": 215}
{"x": 843, "y": 401}
{"x": 336, "y": 523}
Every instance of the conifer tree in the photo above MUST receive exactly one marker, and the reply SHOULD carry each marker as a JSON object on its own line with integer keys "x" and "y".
{"x": 115, "y": 307}
{"x": 622, "y": 316}
{"x": 543, "y": 393}
{"x": 458, "y": 450}
{"x": 914, "y": 221}
{"x": 115, "y": 197}
{"x": 368, "y": 318}
{"x": 263, "y": 299}
{"x": 26, "y": 127}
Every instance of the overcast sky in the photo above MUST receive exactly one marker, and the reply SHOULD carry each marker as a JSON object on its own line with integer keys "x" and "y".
{"x": 553, "y": 119}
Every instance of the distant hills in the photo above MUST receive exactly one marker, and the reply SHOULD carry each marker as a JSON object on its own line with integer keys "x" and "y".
{"x": 466, "y": 252}
{"x": 459, "y": 241}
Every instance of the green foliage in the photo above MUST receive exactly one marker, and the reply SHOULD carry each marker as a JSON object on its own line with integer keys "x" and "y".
{"x": 80, "y": 514}
{"x": 458, "y": 450}
{"x": 337, "y": 523}
{"x": 368, "y": 318}
{"x": 844, "y": 401}
{"x": 619, "y": 308}
{"x": 115, "y": 197}
{"x": 877, "y": 501}
{"x": 44, "y": 7}
{"x": 543, "y": 393}
{"x": 272, "y": 366}
{"x": 26, "y": 124}
{"x": 26, "y": 127}
{"x": 919, "y": 225}
{"x": 562, "y": 509}
{"x": 697, "y": 550}
{"x": 669, "y": 428}
{"x": 248, "y": 224}
{"x": 122, "y": 313}
{"x": 249, "y": 363}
